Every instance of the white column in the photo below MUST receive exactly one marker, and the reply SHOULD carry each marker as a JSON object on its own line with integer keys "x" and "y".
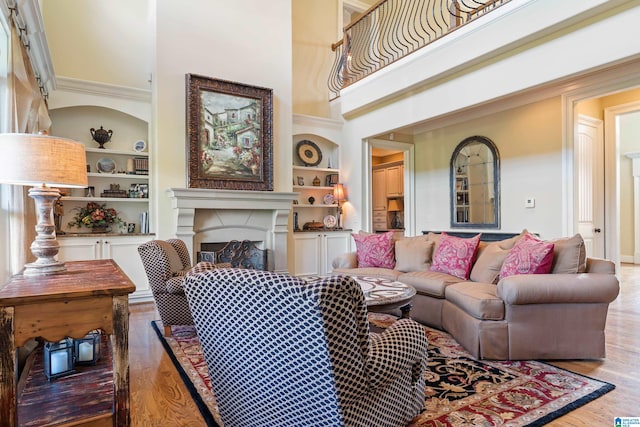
{"x": 635, "y": 157}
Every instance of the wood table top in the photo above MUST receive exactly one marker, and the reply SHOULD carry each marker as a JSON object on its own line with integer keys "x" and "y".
{"x": 81, "y": 279}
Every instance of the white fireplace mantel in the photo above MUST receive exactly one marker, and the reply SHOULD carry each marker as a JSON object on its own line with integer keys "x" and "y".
{"x": 202, "y": 214}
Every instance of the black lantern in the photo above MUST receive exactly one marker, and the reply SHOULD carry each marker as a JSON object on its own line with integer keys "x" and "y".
{"x": 58, "y": 358}
{"x": 87, "y": 350}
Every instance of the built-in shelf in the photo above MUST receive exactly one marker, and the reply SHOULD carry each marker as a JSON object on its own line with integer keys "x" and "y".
{"x": 315, "y": 169}
{"x": 116, "y": 175}
{"x": 123, "y": 152}
{"x": 106, "y": 199}
{"x": 312, "y": 187}
{"x": 319, "y": 205}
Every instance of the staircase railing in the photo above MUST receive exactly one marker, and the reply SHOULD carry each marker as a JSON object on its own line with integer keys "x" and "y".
{"x": 392, "y": 29}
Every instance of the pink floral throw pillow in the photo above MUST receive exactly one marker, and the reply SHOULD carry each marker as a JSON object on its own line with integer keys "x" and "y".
{"x": 375, "y": 250}
{"x": 455, "y": 255}
{"x": 529, "y": 256}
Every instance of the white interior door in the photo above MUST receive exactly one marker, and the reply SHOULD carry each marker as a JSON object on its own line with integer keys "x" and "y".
{"x": 590, "y": 184}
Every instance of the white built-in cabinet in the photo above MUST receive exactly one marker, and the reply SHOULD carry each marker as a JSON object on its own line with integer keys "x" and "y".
{"x": 122, "y": 249}
{"x": 75, "y": 107}
{"x": 314, "y": 251}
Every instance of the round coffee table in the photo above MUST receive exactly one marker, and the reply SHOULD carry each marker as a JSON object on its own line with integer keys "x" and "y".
{"x": 383, "y": 295}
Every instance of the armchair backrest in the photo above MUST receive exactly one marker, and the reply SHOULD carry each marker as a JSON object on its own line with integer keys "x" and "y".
{"x": 162, "y": 259}
{"x": 279, "y": 348}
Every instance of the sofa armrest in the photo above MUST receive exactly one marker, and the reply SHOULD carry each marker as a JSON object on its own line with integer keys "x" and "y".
{"x": 600, "y": 265}
{"x": 348, "y": 260}
{"x": 558, "y": 288}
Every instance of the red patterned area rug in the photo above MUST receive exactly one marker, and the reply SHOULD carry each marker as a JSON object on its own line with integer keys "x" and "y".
{"x": 460, "y": 390}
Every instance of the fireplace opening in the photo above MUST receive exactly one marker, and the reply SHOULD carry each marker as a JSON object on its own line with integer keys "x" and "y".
{"x": 240, "y": 254}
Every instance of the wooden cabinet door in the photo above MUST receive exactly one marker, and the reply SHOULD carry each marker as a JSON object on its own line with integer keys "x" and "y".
{"x": 124, "y": 251}
{"x": 379, "y": 189}
{"x": 307, "y": 254}
{"x": 335, "y": 244}
{"x": 395, "y": 181}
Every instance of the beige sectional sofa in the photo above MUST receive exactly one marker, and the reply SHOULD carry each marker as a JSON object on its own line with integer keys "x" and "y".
{"x": 560, "y": 315}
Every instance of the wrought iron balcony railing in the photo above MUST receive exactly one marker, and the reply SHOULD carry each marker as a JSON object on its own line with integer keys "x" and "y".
{"x": 392, "y": 29}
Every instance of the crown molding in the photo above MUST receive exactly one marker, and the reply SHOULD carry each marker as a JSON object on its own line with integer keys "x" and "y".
{"x": 102, "y": 89}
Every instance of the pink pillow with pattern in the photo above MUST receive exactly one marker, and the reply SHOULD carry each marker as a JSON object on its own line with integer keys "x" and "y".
{"x": 375, "y": 250}
{"x": 455, "y": 255}
{"x": 529, "y": 256}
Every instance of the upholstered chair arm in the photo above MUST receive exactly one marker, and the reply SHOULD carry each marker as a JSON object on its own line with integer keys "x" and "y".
{"x": 401, "y": 346}
{"x": 558, "y": 288}
{"x": 156, "y": 265}
{"x": 348, "y": 260}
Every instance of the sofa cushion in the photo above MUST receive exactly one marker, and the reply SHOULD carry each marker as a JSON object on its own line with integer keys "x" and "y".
{"x": 429, "y": 283}
{"x": 477, "y": 299}
{"x": 529, "y": 256}
{"x": 455, "y": 255}
{"x": 385, "y": 273}
{"x": 413, "y": 254}
{"x": 569, "y": 255}
{"x": 487, "y": 267}
{"x": 490, "y": 258}
{"x": 375, "y": 250}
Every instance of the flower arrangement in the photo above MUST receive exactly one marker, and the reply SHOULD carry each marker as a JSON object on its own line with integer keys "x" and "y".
{"x": 95, "y": 215}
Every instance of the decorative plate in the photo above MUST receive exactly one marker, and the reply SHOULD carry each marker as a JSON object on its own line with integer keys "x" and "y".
{"x": 328, "y": 199}
{"x": 330, "y": 221}
{"x": 139, "y": 145}
{"x": 308, "y": 153}
{"x": 106, "y": 165}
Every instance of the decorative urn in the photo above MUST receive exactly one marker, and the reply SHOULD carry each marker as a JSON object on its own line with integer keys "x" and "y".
{"x": 101, "y": 136}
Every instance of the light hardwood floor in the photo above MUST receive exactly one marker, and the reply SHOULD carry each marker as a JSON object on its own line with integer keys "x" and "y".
{"x": 159, "y": 397}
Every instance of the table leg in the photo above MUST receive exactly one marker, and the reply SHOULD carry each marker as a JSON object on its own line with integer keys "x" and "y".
{"x": 8, "y": 383}
{"x": 406, "y": 311}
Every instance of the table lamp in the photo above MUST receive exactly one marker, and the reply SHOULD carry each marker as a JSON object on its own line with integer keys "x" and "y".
{"x": 44, "y": 162}
{"x": 339, "y": 195}
{"x": 395, "y": 206}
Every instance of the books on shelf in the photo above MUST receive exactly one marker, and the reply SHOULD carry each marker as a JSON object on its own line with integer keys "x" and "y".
{"x": 144, "y": 222}
{"x": 141, "y": 165}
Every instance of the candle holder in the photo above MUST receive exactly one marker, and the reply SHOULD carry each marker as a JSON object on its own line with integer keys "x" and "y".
{"x": 86, "y": 350}
{"x": 58, "y": 358}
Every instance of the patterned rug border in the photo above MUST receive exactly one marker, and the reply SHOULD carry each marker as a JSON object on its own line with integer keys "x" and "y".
{"x": 209, "y": 417}
{"x": 202, "y": 406}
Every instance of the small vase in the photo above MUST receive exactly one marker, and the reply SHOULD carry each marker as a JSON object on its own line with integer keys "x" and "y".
{"x": 100, "y": 229}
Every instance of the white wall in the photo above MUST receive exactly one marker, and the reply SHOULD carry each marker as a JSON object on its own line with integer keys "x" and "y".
{"x": 245, "y": 41}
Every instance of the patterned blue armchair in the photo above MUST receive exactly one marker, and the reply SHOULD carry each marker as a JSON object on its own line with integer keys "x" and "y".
{"x": 283, "y": 352}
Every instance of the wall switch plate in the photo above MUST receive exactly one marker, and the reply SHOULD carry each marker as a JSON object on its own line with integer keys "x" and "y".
{"x": 530, "y": 202}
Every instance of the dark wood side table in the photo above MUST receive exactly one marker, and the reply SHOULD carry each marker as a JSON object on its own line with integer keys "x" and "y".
{"x": 89, "y": 295}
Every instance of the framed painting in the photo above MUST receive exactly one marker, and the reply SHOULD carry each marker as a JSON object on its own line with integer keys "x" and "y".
{"x": 229, "y": 134}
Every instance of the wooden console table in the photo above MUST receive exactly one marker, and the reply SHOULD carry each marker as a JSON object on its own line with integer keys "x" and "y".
{"x": 89, "y": 295}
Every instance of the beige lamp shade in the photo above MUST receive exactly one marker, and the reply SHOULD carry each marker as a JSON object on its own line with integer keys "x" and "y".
{"x": 394, "y": 205}
{"x": 45, "y": 163}
{"x": 35, "y": 160}
{"x": 339, "y": 195}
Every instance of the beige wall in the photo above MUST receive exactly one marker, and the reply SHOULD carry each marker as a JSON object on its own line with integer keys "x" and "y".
{"x": 314, "y": 30}
{"x": 122, "y": 42}
{"x": 225, "y": 42}
{"x": 106, "y": 41}
{"x": 529, "y": 142}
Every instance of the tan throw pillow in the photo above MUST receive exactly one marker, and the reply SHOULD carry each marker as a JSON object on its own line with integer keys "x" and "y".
{"x": 413, "y": 254}
{"x": 569, "y": 255}
{"x": 175, "y": 263}
{"x": 490, "y": 258}
{"x": 206, "y": 266}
